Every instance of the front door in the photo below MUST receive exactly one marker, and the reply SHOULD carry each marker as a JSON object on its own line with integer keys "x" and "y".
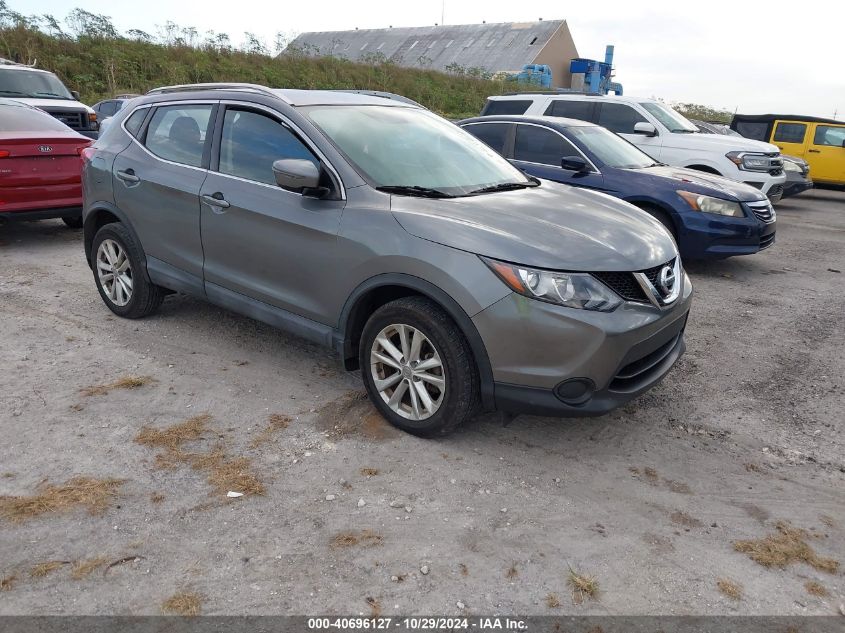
{"x": 539, "y": 150}
{"x": 260, "y": 240}
{"x": 826, "y": 153}
{"x": 790, "y": 138}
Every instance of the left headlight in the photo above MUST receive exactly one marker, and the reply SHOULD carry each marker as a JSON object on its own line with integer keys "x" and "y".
{"x": 789, "y": 165}
{"x": 709, "y": 204}
{"x": 573, "y": 290}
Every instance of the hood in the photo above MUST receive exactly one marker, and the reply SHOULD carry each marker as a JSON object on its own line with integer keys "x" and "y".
{"x": 57, "y": 104}
{"x": 702, "y": 182}
{"x": 719, "y": 142}
{"x": 552, "y": 226}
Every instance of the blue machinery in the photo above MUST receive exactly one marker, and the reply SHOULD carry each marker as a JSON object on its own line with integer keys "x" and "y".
{"x": 594, "y": 77}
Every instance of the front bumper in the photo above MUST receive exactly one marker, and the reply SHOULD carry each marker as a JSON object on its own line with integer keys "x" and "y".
{"x": 710, "y": 236}
{"x": 796, "y": 184}
{"x": 536, "y": 349}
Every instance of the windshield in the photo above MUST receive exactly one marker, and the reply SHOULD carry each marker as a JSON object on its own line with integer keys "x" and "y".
{"x": 673, "y": 121}
{"x": 24, "y": 83}
{"x": 409, "y": 148}
{"x": 609, "y": 148}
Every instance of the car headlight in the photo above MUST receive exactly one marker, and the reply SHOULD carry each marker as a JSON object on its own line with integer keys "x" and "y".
{"x": 750, "y": 161}
{"x": 788, "y": 165}
{"x": 573, "y": 290}
{"x": 709, "y": 204}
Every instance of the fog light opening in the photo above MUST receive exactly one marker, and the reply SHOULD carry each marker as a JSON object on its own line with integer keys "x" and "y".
{"x": 575, "y": 391}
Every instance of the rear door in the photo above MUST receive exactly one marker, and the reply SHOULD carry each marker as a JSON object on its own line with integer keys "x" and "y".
{"x": 538, "y": 150}
{"x": 826, "y": 153}
{"x": 790, "y": 137}
{"x": 157, "y": 181}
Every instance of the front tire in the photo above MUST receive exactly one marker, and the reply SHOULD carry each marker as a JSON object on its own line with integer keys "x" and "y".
{"x": 120, "y": 274}
{"x": 418, "y": 368}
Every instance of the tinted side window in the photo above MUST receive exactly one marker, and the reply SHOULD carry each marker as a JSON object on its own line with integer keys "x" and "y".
{"x": 619, "y": 118}
{"x": 252, "y": 142}
{"x": 493, "y": 134}
{"x": 790, "y": 132}
{"x": 581, "y": 110}
{"x": 829, "y": 135}
{"x": 506, "y": 106}
{"x": 539, "y": 145}
{"x": 135, "y": 120}
{"x": 753, "y": 129}
{"x": 178, "y": 133}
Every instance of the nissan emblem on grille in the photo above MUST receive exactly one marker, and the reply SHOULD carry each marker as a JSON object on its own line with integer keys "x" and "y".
{"x": 45, "y": 148}
{"x": 666, "y": 281}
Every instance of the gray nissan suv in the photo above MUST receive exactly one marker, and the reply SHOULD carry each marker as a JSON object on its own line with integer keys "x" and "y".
{"x": 452, "y": 280}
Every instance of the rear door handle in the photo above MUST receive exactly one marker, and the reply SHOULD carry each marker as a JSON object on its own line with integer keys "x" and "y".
{"x": 215, "y": 200}
{"x": 127, "y": 176}
{"x": 814, "y": 151}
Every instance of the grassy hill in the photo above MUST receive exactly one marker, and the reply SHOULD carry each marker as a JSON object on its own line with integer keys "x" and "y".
{"x": 92, "y": 57}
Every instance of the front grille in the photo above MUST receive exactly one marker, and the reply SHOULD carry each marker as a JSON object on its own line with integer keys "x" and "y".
{"x": 763, "y": 209}
{"x": 74, "y": 120}
{"x": 767, "y": 240}
{"x": 626, "y": 286}
{"x": 638, "y": 372}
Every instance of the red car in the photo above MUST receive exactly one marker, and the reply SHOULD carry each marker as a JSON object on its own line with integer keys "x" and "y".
{"x": 40, "y": 166}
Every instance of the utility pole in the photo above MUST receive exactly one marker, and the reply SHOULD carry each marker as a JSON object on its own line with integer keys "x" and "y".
{"x": 443, "y": 12}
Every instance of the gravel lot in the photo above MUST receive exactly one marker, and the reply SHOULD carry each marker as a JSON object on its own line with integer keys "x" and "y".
{"x": 745, "y": 433}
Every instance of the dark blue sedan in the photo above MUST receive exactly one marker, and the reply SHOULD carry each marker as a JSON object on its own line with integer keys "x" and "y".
{"x": 710, "y": 217}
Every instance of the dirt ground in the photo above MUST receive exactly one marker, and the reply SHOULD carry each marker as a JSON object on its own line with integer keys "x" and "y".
{"x": 745, "y": 435}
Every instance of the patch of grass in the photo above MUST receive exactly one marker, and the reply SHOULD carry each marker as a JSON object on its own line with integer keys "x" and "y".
{"x": 8, "y": 583}
{"x": 375, "y": 607}
{"x": 729, "y": 588}
{"x": 827, "y": 521}
{"x": 234, "y": 474}
{"x": 174, "y": 436}
{"x": 583, "y": 586}
{"x": 512, "y": 572}
{"x": 682, "y": 518}
{"x": 369, "y": 472}
{"x": 183, "y": 603}
{"x": 650, "y": 472}
{"x": 364, "y": 538}
{"x": 127, "y": 382}
{"x": 552, "y": 601}
{"x": 464, "y": 570}
{"x": 43, "y": 569}
{"x": 95, "y": 494}
{"x": 276, "y": 422}
{"x": 816, "y": 589}
{"x": 84, "y": 568}
{"x": 753, "y": 468}
{"x": 8, "y": 475}
{"x": 157, "y": 497}
{"x": 787, "y": 545}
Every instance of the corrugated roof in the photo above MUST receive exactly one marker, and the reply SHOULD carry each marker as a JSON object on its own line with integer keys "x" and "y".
{"x": 492, "y": 47}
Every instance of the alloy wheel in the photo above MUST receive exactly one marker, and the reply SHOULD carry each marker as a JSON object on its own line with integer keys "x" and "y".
{"x": 114, "y": 272}
{"x": 408, "y": 372}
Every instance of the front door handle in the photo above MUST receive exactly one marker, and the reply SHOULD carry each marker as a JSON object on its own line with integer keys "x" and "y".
{"x": 216, "y": 200}
{"x": 127, "y": 175}
{"x": 814, "y": 151}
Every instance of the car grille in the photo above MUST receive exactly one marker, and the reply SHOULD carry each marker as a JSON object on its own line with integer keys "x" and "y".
{"x": 763, "y": 209}
{"x": 638, "y": 372}
{"x": 767, "y": 240}
{"x": 626, "y": 286}
{"x": 74, "y": 120}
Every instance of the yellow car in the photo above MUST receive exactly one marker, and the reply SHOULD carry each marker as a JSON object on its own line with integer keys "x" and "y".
{"x": 820, "y": 142}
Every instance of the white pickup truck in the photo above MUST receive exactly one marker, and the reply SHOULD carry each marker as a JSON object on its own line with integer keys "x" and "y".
{"x": 659, "y": 131}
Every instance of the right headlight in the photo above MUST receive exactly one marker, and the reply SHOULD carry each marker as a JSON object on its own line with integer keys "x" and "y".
{"x": 789, "y": 165}
{"x": 573, "y": 290}
{"x": 750, "y": 161}
{"x": 709, "y": 204}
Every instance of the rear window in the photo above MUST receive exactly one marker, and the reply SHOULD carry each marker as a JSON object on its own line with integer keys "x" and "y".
{"x": 24, "y": 119}
{"x": 581, "y": 110}
{"x": 506, "y": 106}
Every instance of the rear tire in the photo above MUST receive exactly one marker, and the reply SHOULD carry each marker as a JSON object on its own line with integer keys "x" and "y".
{"x": 428, "y": 379}
{"x": 73, "y": 221}
{"x": 120, "y": 273}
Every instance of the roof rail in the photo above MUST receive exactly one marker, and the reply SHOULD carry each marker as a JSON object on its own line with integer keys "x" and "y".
{"x": 556, "y": 91}
{"x": 9, "y": 62}
{"x": 215, "y": 86}
{"x": 383, "y": 95}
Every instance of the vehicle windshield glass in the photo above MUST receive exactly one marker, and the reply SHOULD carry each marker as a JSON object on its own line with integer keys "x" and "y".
{"x": 673, "y": 121}
{"x": 25, "y": 83}
{"x": 609, "y": 148}
{"x": 408, "y": 147}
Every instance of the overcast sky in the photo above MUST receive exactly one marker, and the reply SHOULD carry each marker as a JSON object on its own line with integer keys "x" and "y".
{"x": 732, "y": 55}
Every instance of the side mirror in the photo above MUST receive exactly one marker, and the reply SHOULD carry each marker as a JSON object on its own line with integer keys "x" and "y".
{"x": 299, "y": 175}
{"x": 574, "y": 163}
{"x": 74, "y": 94}
{"x": 646, "y": 129}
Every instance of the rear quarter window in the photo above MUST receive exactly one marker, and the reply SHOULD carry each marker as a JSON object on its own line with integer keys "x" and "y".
{"x": 581, "y": 110}
{"x": 506, "y": 106}
{"x": 135, "y": 121}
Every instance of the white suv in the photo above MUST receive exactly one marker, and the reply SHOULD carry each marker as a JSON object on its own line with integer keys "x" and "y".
{"x": 661, "y": 132}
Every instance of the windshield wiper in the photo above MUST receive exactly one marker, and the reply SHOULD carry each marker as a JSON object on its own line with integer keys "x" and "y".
{"x": 48, "y": 94}
{"x": 414, "y": 190}
{"x": 10, "y": 92}
{"x": 505, "y": 186}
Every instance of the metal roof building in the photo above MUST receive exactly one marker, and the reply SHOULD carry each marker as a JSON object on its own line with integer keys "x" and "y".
{"x": 491, "y": 47}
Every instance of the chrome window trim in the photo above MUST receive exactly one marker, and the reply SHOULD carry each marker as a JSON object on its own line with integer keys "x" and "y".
{"x": 284, "y": 120}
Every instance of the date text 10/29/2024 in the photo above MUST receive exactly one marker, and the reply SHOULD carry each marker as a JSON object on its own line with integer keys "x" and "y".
{"x": 417, "y": 624}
